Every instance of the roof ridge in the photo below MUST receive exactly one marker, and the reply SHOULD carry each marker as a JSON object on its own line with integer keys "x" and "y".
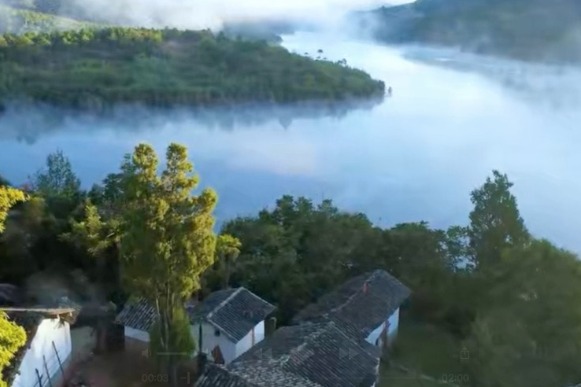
{"x": 367, "y": 276}
{"x": 220, "y": 305}
{"x": 359, "y": 343}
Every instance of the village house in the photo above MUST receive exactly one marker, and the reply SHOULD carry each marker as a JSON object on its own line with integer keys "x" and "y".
{"x": 336, "y": 342}
{"x": 368, "y": 305}
{"x": 44, "y": 358}
{"x": 306, "y": 355}
{"x": 225, "y": 325}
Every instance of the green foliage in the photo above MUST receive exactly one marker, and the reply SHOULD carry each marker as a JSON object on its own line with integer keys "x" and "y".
{"x": 91, "y": 232}
{"x": 167, "y": 239}
{"x": 529, "y": 333}
{"x": 227, "y": 251}
{"x": 298, "y": 251}
{"x": 12, "y": 337}
{"x": 180, "y": 342}
{"x": 94, "y": 69}
{"x": 167, "y": 232}
{"x": 57, "y": 179}
{"x": 8, "y": 198}
{"x": 495, "y": 222}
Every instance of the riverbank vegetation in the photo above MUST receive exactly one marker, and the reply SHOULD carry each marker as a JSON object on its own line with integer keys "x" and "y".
{"x": 95, "y": 69}
{"x": 534, "y": 30}
{"x": 492, "y": 305}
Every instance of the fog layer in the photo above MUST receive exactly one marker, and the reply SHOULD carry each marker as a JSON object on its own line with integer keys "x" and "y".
{"x": 197, "y": 14}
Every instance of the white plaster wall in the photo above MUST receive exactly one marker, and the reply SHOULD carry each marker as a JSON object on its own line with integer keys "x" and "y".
{"x": 393, "y": 322}
{"x": 373, "y": 336}
{"x": 246, "y": 343}
{"x": 259, "y": 332}
{"x": 48, "y": 331}
{"x": 137, "y": 334}
{"x": 210, "y": 340}
{"x": 230, "y": 350}
{"x": 393, "y": 325}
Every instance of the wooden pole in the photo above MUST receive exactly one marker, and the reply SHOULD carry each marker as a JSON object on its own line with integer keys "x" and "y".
{"x": 59, "y": 359}
{"x": 38, "y": 377}
{"x": 46, "y": 369}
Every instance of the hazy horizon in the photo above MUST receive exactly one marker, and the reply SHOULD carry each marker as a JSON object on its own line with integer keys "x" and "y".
{"x": 200, "y": 14}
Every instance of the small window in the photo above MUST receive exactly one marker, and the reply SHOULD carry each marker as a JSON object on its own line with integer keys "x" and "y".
{"x": 216, "y": 332}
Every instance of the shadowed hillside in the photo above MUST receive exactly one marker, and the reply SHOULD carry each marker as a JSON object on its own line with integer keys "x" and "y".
{"x": 536, "y": 30}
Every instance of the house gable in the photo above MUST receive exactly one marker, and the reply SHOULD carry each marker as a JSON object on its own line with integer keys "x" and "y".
{"x": 309, "y": 355}
{"x": 235, "y": 312}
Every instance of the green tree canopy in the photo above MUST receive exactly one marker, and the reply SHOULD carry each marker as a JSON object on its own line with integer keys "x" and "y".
{"x": 167, "y": 239}
{"x": 8, "y": 198}
{"x": 57, "y": 179}
{"x": 495, "y": 221}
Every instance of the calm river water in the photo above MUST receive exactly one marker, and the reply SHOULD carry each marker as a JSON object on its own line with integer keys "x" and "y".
{"x": 452, "y": 119}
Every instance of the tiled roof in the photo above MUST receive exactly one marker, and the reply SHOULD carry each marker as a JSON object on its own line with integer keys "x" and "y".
{"x": 137, "y": 314}
{"x": 233, "y": 311}
{"x": 218, "y": 376}
{"x": 307, "y": 355}
{"x": 359, "y": 305}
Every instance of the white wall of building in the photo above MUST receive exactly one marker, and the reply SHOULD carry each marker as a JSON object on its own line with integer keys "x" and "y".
{"x": 210, "y": 341}
{"x": 255, "y": 336}
{"x": 49, "y": 331}
{"x": 393, "y": 322}
{"x": 373, "y": 336}
{"x": 229, "y": 349}
{"x": 393, "y": 325}
{"x": 137, "y": 334}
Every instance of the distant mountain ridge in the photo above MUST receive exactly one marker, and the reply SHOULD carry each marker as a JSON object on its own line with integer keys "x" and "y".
{"x": 534, "y": 30}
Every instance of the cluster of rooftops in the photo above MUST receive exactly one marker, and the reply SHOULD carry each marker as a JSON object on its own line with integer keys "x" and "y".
{"x": 326, "y": 344}
{"x": 332, "y": 342}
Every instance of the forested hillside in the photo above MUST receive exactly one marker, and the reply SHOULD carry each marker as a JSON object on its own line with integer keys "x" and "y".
{"x": 496, "y": 292}
{"x": 95, "y": 69}
{"x": 539, "y": 30}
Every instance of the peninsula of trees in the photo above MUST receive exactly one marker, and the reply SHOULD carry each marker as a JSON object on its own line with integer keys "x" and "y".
{"x": 94, "y": 69}
{"x": 532, "y": 30}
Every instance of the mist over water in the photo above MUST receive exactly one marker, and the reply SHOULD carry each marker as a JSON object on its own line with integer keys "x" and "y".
{"x": 214, "y": 14}
{"x": 415, "y": 157}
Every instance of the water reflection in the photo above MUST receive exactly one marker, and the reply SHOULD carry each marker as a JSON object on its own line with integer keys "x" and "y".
{"x": 27, "y": 122}
{"x": 551, "y": 85}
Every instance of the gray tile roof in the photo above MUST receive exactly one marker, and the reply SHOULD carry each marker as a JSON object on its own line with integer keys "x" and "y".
{"x": 137, "y": 314}
{"x": 217, "y": 376}
{"x": 359, "y": 305}
{"x": 307, "y": 355}
{"x": 233, "y": 311}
